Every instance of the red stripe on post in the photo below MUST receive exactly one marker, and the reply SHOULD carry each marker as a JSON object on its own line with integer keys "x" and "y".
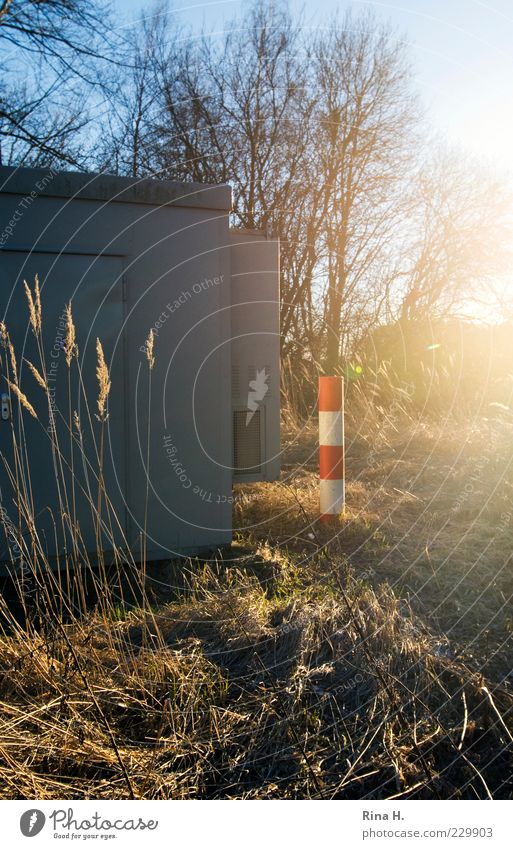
{"x": 331, "y": 462}
{"x": 330, "y": 394}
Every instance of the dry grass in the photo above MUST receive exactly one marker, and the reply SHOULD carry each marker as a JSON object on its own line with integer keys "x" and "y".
{"x": 366, "y": 659}
{"x": 304, "y": 683}
{"x": 428, "y": 510}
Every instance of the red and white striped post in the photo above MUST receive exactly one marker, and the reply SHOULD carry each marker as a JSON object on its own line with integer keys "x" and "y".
{"x": 331, "y": 447}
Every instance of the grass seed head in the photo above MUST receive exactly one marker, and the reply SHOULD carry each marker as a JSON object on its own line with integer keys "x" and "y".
{"x": 22, "y": 398}
{"x": 12, "y": 355}
{"x": 70, "y": 344}
{"x": 102, "y": 373}
{"x": 149, "y": 349}
{"x": 39, "y": 379}
{"x": 34, "y": 305}
{"x": 37, "y": 298}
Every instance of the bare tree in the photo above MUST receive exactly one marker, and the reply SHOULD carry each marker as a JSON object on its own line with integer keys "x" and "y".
{"x": 457, "y": 242}
{"x": 311, "y": 135}
{"x": 231, "y": 111}
{"x": 318, "y": 133}
{"x": 239, "y": 111}
{"x": 134, "y": 98}
{"x": 54, "y": 48}
{"x": 365, "y": 118}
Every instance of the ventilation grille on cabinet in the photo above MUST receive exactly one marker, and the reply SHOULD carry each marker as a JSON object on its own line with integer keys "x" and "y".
{"x": 236, "y": 389}
{"x": 247, "y": 447}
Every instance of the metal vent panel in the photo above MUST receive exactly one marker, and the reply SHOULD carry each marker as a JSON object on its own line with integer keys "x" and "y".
{"x": 247, "y": 442}
{"x": 236, "y": 390}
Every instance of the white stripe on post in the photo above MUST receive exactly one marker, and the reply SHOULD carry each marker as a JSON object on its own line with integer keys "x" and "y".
{"x": 331, "y": 428}
{"x": 332, "y": 497}
{"x": 331, "y": 447}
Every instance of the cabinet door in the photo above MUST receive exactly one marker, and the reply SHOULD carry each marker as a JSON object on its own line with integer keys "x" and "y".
{"x": 94, "y": 285}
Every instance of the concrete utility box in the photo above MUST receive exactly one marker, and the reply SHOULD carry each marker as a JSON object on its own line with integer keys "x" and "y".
{"x": 131, "y": 256}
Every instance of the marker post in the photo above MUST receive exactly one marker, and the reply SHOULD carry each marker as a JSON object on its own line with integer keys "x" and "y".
{"x": 331, "y": 448}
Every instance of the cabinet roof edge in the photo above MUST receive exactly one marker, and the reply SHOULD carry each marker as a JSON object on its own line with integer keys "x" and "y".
{"x": 107, "y": 187}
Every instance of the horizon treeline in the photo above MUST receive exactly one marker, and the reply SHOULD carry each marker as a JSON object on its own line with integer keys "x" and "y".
{"x": 320, "y": 133}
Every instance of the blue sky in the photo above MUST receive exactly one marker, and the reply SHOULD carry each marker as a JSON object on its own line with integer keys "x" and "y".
{"x": 462, "y": 52}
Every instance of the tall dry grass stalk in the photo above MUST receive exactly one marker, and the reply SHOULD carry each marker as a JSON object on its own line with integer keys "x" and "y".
{"x": 37, "y": 376}
{"x": 70, "y": 342}
{"x": 144, "y": 546}
{"x": 149, "y": 349}
{"x": 53, "y": 591}
{"x": 22, "y": 398}
{"x": 72, "y": 559}
{"x": 102, "y": 373}
{"x": 34, "y": 305}
{"x": 12, "y": 357}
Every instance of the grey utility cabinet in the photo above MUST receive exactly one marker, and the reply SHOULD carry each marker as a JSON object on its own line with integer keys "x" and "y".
{"x": 131, "y": 256}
